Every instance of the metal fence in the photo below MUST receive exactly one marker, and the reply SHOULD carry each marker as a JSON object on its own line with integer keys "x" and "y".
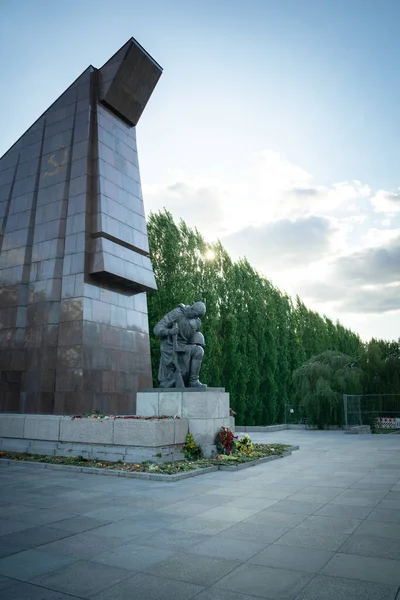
{"x": 380, "y": 411}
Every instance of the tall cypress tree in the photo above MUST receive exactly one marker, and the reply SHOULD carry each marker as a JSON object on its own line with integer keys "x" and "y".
{"x": 256, "y": 337}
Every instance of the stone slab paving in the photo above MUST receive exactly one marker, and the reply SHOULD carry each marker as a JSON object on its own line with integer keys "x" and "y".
{"x": 323, "y": 524}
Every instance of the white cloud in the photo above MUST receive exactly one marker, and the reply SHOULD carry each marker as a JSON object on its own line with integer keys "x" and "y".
{"x": 282, "y": 244}
{"x": 329, "y": 243}
{"x": 379, "y": 264}
{"x": 354, "y": 299}
{"x": 199, "y": 202}
{"x": 271, "y": 189}
{"x": 386, "y": 202}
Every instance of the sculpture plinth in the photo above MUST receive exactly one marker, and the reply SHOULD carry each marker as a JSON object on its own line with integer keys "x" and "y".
{"x": 206, "y": 411}
{"x": 74, "y": 264}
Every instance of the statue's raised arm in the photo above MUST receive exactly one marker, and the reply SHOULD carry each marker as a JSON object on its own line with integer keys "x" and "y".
{"x": 182, "y": 346}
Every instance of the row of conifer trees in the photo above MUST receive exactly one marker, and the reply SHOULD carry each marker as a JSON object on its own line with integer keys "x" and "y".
{"x": 256, "y": 335}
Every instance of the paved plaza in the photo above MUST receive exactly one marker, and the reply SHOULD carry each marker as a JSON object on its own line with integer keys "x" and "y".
{"x": 323, "y": 524}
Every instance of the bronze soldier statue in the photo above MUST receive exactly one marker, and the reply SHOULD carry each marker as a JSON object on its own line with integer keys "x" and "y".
{"x": 181, "y": 347}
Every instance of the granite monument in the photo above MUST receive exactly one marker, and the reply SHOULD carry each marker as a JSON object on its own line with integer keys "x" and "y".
{"x": 74, "y": 264}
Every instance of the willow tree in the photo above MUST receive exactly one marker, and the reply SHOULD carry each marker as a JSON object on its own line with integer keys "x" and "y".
{"x": 320, "y": 383}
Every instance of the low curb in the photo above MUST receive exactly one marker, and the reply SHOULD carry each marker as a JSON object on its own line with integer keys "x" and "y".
{"x": 258, "y": 461}
{"x": 149, "y": 476}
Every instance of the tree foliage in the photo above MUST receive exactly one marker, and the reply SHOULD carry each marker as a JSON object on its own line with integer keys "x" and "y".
{"x": 320, "y": 383}
{"x": 256, "y": 336}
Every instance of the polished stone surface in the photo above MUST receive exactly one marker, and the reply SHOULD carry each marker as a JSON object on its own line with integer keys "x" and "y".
{"x": 74, "y": 264}
{"x": 242, "y": 535}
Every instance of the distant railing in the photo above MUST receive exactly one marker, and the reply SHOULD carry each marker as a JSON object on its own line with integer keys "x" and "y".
{"x": 380, "y": 411}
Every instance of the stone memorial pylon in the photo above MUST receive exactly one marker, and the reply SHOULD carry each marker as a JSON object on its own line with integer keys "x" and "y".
{"x": 74, "y": 260}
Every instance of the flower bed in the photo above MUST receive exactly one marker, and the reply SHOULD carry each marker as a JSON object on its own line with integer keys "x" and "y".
{"x": 98, "y": 415}
{"x": 261, "y": 451}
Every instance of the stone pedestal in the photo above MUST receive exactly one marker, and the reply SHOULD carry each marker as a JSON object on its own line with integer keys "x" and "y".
{"x": 126, "y": 439}
{"x": 206, "y": 411}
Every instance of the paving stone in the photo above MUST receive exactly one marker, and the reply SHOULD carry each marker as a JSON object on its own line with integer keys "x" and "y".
{"x": 264, "y": 582}
{"x": 81, "y": 523}
{"x": 44, "y": 516}
{"x": 292, "y": 558}
{"x": 371, "y": 494}
{"x": 339, "y": 483}
{"x": 291, "y": 488}
{"x": 155, "y": 520}
{"x": 149, "y": 587}
{"x": 34, "y": 536}
{"x": 173, "y": 539}
{"x": 81, "y": 545}
{"x": 224, "y": 548}
{"x": 214, "y": 594}
{"x": 133, "y": 557}
{"x": 310, "y": 498}
{"x": 386, "y": 478}
{"x": 220, "y": 490}
{"x": 329, "y": 525}
{"x": 8, "y": 526}
{"x": 371, "y": 545}
{"x": 250, "y": 502}
{"x": 254, "y": 532}
{"x": 5, "y": 582}
{"x": 124, "y": 529}
{"x": 202, "y": 570}
{"x": 392, "y": 496}
{"x": 356, "y": 499}
{"x": 300, "y": 508}
{"x": 371, "y": 486}
{"x": 276, "y": 519}
{"x": 267, "y": 494}
{"x": 114, "y": 513}
{"x": 384, "y": 514}
{"x": 214, "y": 499}
{"x": 344, "y": 512}
{"x": 13, "y": 511}
{"x": 326, "y": 491}
{"x": 76, "y": 507}
{"x": 82, "y": 578}
{"x": 380, "y": 529}
{"x": 31, "y": 563}
{"x": 27, "y": 591}
{"x": 390, "y": 503}
{"x": 7, "y": 549}
{"x": 229, "y": 513}
{"x": 364, "y": 568}
{"x": 184, "y": 509}
{"x": 203, "y": 525}
{"x": 333, "y": 588}
{"x": 308, "y": 538}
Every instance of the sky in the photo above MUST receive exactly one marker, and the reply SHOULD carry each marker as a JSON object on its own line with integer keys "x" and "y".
{"x": 275, "y": 128}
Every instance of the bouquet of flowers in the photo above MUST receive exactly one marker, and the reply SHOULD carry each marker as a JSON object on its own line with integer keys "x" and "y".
{"x": 225, "y": 441}
{"x": 244, "y": 445}
{"x": 191, "y": 450}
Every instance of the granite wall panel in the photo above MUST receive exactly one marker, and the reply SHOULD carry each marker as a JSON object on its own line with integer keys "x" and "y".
{"x": 74, "y": 264}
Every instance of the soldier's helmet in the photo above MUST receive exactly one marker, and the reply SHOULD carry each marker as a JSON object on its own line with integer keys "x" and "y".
{"x": 198, "y": 339}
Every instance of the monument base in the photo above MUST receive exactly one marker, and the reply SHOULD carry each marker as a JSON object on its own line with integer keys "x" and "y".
{"x": 206, "y": 411}
{"x": 127, "y": 439}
